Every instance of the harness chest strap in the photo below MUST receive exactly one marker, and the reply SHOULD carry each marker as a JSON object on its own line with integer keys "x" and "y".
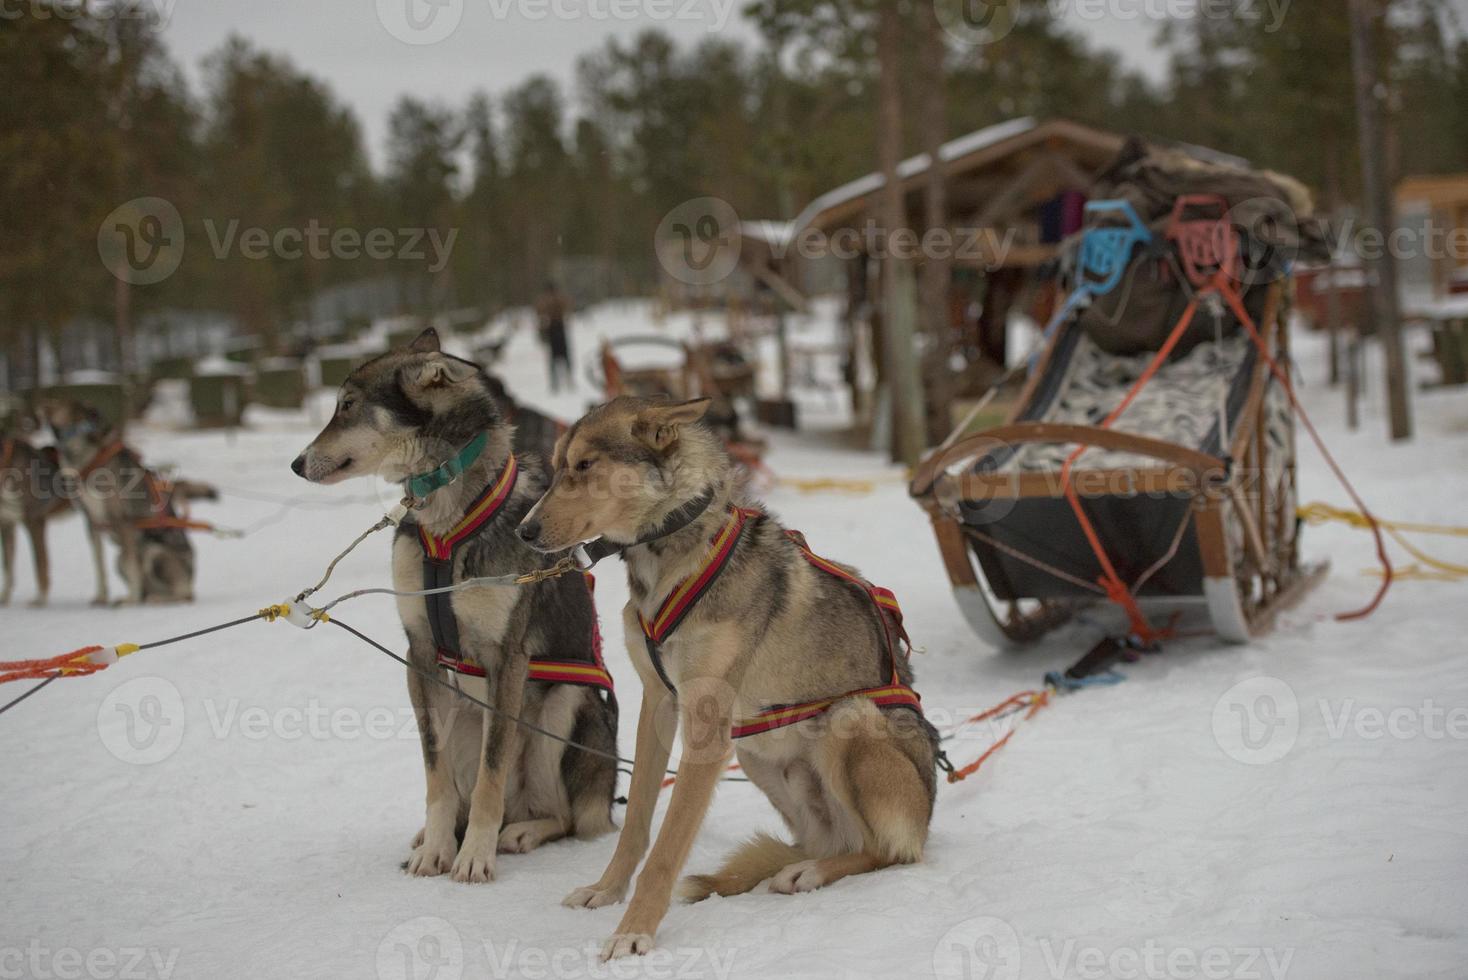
{"x": 677, "y": 605}
{"x": 159, "y": 491}
{"x": 104, "y": 455}
{"x": 438, "y": 572}
{"x": 549, "y": 671}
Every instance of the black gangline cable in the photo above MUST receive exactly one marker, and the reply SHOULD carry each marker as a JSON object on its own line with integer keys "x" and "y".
{"x": 149, "y": 646}
{"x": 426, "y": 673}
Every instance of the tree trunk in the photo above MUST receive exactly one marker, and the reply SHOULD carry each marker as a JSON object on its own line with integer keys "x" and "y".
{"x": 937, "y": 258}
{"x": 123, "y": 336}
{"x": 1332, "y": 293}
{"x": 898, "y": 320}
{"x": 1378, "y": 202}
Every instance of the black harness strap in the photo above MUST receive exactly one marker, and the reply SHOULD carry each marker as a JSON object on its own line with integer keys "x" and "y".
{"x": 438, "y": 574}
{"x": 676, "y": 520}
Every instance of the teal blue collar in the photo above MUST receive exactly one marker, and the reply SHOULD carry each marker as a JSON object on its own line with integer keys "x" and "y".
{"x": 420, "y": 486}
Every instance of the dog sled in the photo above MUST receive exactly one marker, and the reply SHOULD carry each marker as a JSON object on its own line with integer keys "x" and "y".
{"x": 1150, "y": 457}
{"x": 717, "y": 370}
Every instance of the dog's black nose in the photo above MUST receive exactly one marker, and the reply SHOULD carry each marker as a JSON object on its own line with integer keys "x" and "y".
{"x": 298, "y": 465}
{"x": 529, "y": 531}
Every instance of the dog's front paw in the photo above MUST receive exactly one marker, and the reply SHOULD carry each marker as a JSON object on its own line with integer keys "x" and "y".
{"x": 594, "y": 897}
{"x": 39, "y": 602}
{"x": 626, "y": 944}
{"x": 431, "y": 858}
{"x": 101, "y": 600}
{"x": 475, "y": 862}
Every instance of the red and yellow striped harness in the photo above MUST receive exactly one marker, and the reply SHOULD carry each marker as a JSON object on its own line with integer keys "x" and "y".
{"x": 438, "y": 571}
{"x": 680, "y": 602}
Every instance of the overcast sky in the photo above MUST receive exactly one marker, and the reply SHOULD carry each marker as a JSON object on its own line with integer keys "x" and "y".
{"x": 373, "y": 51}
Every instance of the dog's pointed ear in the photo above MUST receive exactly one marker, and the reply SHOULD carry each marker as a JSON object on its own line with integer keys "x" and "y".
{"x": 439, "y": 370}
{"x": 426, "y": 342}
{"x": 659, "y": 424}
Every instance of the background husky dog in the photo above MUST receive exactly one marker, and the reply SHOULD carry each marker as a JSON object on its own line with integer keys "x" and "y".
{"x": 27, "y": 497}
{"x": 855, "y": 785}
{"x": 535, "y": 432}
{"x": 489, "y": 783}
{"x": 116, "y": 492}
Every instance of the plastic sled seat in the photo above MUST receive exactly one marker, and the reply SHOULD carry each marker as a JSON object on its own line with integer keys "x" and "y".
{"x": 1113, "y": 231}
{"x": 1205, "y": 239}
{"x": 1191, "y": 491}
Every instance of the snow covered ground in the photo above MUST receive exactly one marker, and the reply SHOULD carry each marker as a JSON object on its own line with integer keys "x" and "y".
{"x": 238, "y": 806}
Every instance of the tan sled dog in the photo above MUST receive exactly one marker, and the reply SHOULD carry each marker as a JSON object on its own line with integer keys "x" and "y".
{"x": 752, "y": 638}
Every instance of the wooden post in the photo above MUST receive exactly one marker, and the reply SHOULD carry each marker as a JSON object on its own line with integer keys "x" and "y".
{"x": 1332, "y": 292}
{"x": 937, "y": 270}
{"x": 899, "y": 293}
{"x": 1379, "y": 213}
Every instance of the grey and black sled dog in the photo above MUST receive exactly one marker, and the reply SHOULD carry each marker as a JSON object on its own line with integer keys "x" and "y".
{"x": 753, "y": 641}
{"x": 431, "y": 421}
{"x": 123, "y": 500}
{"x": 28, "y": 498}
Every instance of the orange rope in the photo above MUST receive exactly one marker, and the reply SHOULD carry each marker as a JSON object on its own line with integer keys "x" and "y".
{"x": 151, "y": 523}
{"x": 1387, "y": 573}
{"x": 1035, "y": 699}
{"x": 1116, "y": 589}
{"x": 75, "y": 662}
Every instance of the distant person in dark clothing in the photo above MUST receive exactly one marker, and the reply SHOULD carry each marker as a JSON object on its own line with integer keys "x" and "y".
{"x": 551, "y": 309}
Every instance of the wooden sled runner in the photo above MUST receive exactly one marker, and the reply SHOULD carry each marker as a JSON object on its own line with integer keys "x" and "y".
{"x": 1191, "y": 492}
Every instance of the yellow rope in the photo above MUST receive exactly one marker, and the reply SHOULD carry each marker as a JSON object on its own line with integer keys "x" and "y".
{"x": 821, "y": 484}
{"x": 1437, "y": 570}
{"x": 1319, "y": 513}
